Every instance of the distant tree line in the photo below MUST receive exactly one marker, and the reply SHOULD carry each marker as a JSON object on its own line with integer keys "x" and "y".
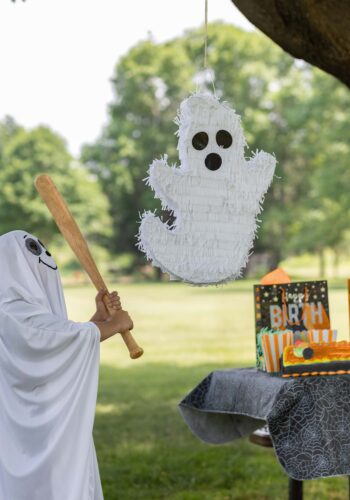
{"x": 23, "y": 155}
{"x": 287, "y": 107}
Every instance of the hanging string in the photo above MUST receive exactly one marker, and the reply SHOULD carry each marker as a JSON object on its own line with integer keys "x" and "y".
{"x": 206, "y": 35}
{"x": 207, "y": 71}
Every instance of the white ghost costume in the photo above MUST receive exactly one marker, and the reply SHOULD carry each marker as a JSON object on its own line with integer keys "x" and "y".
{"x": 215, "y": 194}
{"x": 48, "y": 381}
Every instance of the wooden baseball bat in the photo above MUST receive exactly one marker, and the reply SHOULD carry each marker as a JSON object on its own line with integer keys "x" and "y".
{"x": 72, "y": 234}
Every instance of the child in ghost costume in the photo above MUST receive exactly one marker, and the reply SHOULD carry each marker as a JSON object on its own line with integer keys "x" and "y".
{"x": 48, "y": 379}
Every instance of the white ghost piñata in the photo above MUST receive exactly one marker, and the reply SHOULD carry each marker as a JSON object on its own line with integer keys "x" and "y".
{"x": 215, "y": 194}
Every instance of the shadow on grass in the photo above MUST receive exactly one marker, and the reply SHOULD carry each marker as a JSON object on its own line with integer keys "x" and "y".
{"x": 145, "y": 450}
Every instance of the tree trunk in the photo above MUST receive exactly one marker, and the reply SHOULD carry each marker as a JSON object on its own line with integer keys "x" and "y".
{"x": 275, "y": 258}
{"x": 335, "y": 264}
{"x": 322, "y": 264}
{"x": 159, "y": 274}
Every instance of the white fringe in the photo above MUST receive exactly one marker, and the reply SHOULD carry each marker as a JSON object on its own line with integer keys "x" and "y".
{"x": 216, "y": 211}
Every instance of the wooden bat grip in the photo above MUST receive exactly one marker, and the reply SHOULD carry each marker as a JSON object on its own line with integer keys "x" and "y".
{"x": 72, "y": 234}
{"x": 134, "y": 349}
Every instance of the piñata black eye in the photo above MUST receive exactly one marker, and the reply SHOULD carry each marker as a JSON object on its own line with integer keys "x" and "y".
{"x": 224, "y": 139}
{"x": 200, "y": 140}
{"x": 33, "y": 246}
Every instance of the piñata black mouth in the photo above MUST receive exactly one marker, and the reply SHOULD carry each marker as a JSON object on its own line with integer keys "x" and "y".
{"x": 213, "y": 161}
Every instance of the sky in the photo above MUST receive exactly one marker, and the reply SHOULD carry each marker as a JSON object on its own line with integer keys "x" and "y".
{"x": 57, "y": 56}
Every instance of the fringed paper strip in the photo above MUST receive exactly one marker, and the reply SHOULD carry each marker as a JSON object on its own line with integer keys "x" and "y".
{"x": 322, "y": 335}
{"x": 273, "y": 345}
{"x": 215, "y": 194}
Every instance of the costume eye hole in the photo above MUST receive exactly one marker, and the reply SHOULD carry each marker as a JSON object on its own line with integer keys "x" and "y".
{"x": 200, "y": 140}
{"x": 224, "y": 139}
{"x": 33, "y": 246}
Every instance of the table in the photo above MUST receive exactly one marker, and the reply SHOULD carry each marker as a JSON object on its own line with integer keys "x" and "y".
{"x": 308, "y": 418}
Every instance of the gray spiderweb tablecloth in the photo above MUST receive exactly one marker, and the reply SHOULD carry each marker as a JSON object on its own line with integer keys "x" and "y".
{"x": 309, "y": 419}
{"x": 310, "y": 427}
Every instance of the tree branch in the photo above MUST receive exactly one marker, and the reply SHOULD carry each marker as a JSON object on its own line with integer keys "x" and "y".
{"x": 314, "y": 30}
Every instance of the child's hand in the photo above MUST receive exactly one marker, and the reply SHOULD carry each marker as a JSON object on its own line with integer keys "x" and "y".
{"x": 112, "y": 301}
{"x": 121, "y": 321}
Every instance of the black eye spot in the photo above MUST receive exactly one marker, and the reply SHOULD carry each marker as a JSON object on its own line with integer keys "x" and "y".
{"x": 224, "y": 139}
{"x": 33, "y": 246}
{"x": 200, "y": 140}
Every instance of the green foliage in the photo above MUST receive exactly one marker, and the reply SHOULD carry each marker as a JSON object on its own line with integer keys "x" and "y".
{"x": 326, "y": 209}
{"x": 23, "y": 155}
{"x": 287, "y": 107}
{"x": 149, "y": 83}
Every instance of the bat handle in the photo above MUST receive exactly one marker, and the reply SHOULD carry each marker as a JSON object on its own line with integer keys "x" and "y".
{"x": 134, "y": 349}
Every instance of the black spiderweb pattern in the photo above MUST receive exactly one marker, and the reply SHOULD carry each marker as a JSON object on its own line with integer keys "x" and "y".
{"x": 310, "y": 427}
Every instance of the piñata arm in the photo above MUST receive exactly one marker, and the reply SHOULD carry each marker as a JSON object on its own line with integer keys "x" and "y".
{"x": 261, "y": 167}
{"x": 167, "y": 183}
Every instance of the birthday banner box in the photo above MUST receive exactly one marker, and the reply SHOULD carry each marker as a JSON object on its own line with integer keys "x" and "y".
{"x": 298, "y": 307}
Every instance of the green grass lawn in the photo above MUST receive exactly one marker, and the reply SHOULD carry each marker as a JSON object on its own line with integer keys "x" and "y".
{"x": 145, "y": 450}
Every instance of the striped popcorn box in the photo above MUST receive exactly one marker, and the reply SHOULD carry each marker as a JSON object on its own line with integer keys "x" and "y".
{"x": 273, "y": 345}
{"x": 322, "y": 335}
